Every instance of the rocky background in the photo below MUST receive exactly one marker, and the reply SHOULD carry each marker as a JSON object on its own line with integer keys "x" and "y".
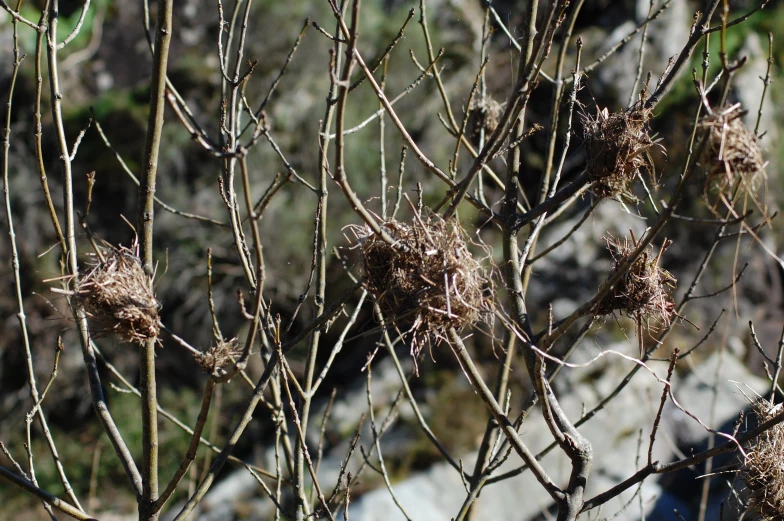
{"x": 106, "y": 71}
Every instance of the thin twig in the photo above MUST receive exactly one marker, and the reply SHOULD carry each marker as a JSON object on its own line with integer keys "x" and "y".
{"x": 78, "y": 28}
{"x": 657, "y": 419}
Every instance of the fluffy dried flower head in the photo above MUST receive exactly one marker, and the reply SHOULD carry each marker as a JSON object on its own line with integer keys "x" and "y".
{"x": 118, "y": 296}
{"x": 217, "y": 357}
{"x": 644, "y": 291}
{"x": 619, "y": 147}
{"x": 427, "y": 281}
{"x": 732, "y": 154}
{"x": 763, "y": 468}
{"x": 483, "y": 115}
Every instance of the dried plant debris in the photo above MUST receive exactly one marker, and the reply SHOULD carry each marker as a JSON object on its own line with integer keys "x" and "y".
{"x": 483, "y": 114}
{"x": 619, "y": 148}
{"x": 219, "y": 356}
{"x": 763, "y": 468}
{"x": 427, "y": 281}
{"x": 732, "y": 153}
{"x": 644, "y": 293}
{"x": 118, "y": 296}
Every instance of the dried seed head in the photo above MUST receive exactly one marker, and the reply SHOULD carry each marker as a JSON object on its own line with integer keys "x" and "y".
{"x": 427, "y": 281}
{"x": 732, "y": 154}
{"x": 763, "y": 468}
{"x": 118, "y": 296}
{"x": 644, "y": 291}
{"x": 619, "y": 147}
{"x": 217, "y": 357}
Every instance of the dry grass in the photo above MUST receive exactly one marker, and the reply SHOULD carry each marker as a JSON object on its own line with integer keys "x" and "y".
{"x": 763, "y": 468}
{"x": 619, "y": 148}
{"x": 482, "y": 115}
{"x": 219, "y": 356}
{"x": 732, "y": 154}
{"x": 427, "y": 281}
{"x": 118, "y": 297}
{"x": 644, "y": 293}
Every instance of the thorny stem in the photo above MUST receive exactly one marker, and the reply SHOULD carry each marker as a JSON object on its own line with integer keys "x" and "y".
{"x": 423, "y": 159}
{"x": 217, "y": 465}
{"x": 574, "y": 445}
{"x": 230, "y": 111}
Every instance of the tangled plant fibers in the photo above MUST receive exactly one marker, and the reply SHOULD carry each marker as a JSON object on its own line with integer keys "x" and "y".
{"x": 763, "y": 468}
{"x": 732, "y": 153}
{"x": 427, "y": 281}
{"x": 219, "y": 356}
{"x": 482, "y": 115}
{"x": 619, "y": 147}
{"x": 644, "y": 291}
{"x": 118, "y": 296}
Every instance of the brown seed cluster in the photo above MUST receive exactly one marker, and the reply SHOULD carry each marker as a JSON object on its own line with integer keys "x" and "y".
{"x": 118, "y": 297}
{"x": 763, "y": 468}
{"x": 644, "y": 293}
{"x": 482, "y": 115}
{"x": 219, "y": 356}
{"x": 618, "y": 147}
{"x": 732, "y": 153}
{"x": 427, "y": 281}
